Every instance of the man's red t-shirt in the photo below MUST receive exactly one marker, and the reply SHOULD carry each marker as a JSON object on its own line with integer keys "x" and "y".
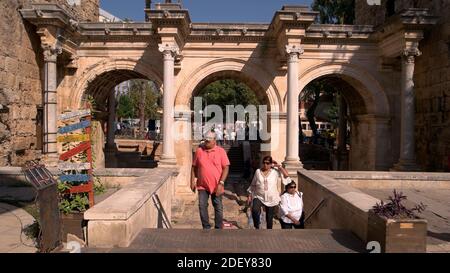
{"x": 209, "y": 164}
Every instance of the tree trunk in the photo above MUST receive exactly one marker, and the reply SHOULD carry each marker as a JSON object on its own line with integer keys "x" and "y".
{"x": 310, "y": 115}
{"x": 142, "y": 112}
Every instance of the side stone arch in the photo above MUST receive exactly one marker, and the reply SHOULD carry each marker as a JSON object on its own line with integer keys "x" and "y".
{"x": 370, "y": 118}
{"x": 130, "y": 69}
{"x": 364, "y": 83}
{"x": 222, "y": 65}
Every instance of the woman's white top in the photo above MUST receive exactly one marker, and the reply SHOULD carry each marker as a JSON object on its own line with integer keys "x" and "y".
{"x": 265, "y": 187}
{"x": 291, "y": 204}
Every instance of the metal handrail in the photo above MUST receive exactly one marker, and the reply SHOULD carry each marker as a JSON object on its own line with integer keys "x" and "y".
{"x": 314, "y": 211}
{"x": 160, "y": 209}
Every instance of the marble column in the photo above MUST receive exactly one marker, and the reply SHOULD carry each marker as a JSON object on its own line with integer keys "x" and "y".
{"x": 407, "y": 161}
{"x": 110, "y": 144}
{"x": 50, "y": 103}
{"x": 168, "y": 153}
{"x": 292, "y": 160}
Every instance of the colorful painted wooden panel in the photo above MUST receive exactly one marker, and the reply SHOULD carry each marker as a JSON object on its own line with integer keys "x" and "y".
{"x": 74, "y": 138}
{"x": 74, "y": 127}
{"x": 80, "y": 148}
{"x": 75, "y": 178}
{"x": 75, "y": 114}
{"x": 66, "y": 166}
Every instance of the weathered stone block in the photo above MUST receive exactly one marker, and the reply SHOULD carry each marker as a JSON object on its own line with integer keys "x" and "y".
{"x": 2, "y": 63}
{"x": 20, "y": 143}
{"x": 11, "y": 65}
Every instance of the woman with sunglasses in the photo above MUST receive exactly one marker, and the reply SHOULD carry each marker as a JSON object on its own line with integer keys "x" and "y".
{"x": 291, "y": 205}
{"x": 263, "y": 191}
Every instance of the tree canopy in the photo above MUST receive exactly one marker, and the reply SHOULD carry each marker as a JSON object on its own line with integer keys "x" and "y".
{"x": 142, "y": 100}
{"x": 335, "y": 11}
{"x": 228, "y": 92}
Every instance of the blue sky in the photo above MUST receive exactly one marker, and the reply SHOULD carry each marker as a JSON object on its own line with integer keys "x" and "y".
{"x": 207, "y": 10}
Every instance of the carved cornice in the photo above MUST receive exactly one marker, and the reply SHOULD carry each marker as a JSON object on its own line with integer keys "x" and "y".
{"x": 170, "y": 20}
{"x": 49, "y": 14}
{"x": 57, "y": 28}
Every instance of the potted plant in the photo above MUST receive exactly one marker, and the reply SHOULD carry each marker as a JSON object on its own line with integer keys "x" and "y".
{"x": 397, "y": 228}
{"x": 72, "y": 208}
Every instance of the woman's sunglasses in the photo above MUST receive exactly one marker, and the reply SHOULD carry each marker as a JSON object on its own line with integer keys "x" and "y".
{"x": 292, "y": 187}
{"x": 267, "y": 163}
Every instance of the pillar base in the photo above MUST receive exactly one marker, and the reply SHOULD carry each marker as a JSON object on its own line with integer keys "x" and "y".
{"x": 406, "y": 166}
{"x": 50, "y": 160}
{"x": 292, "y": 167}
{"x": 167, "y": 161}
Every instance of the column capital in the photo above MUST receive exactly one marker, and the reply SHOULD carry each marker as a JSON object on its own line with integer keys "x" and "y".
{"x": 51, "y": 52}
{"x": 294, "y": 51}
{"x": 169, "y": 50}
{"x": 409, "y": 54}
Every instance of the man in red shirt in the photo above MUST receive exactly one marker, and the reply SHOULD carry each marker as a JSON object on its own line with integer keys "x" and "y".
{"x": 209, "y": 172}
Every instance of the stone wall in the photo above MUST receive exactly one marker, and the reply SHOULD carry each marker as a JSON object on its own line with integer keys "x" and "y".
{"x": 21, "y": 74}
{"x": 20, "y": 85}
{"x": 432, "y": 82}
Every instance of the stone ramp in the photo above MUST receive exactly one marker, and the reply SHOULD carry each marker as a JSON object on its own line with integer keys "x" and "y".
{"x": 241, "y": 241}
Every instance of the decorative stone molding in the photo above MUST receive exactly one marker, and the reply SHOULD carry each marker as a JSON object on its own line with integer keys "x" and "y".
{"x": 294, "y": 51}
{"x": 74, "y": 24}
{"x": 51, "y": 52}
{"x": 169, "y": 50}
{"x": 39, "y": 13}
{"x": 73, "y": 62}
{"x": 166, "y": 14}
{"x": 409, "y": 54}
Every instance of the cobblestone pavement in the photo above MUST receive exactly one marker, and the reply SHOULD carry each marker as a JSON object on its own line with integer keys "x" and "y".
{"x": 185, "y": 213}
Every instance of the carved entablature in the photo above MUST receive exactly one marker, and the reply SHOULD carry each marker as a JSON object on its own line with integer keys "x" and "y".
{"x": 289, "y": 25}
{"x": 228, "y": 32}
{"x": 404, "y": 30}
{"x": 170, "y": 20}
{"x": 56, "y": 27}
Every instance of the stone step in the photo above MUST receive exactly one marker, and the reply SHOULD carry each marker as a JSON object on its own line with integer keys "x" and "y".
{"x": 242, "y": 241}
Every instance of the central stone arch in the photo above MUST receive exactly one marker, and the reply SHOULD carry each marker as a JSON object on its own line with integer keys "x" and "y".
{"x": 259, "y": 80}
{"x": 256, "y": 78}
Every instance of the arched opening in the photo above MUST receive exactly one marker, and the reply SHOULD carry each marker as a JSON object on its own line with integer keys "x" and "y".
{"x": 126, "y": 119}
{"x": 326, "y": 107}
{"x": 353, "y": 126}
{"x": 245, "y": 123}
